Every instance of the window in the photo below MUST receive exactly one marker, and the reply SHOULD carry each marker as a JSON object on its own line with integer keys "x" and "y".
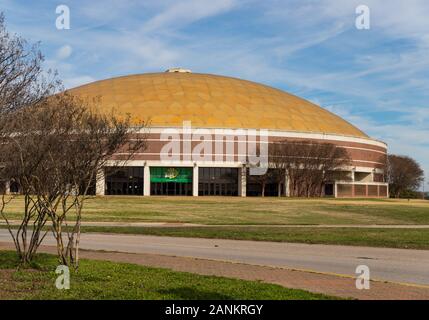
{"x": 218, "y": 181}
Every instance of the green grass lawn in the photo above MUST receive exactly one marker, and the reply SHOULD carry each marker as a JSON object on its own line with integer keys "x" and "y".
{"x": 258, "y": 211}
{"x": 371, "y": 237}
{"x": 215, "y": 211}
{"x": 108, "y": 280}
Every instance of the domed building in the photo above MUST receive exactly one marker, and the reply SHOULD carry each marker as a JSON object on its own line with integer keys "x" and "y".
{"x": 183, "y": 105}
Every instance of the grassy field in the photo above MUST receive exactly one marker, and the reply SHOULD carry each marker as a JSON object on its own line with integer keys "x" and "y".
{"x": 262, "y": 212}
{"x": 258, "y": 211}
{"x": 371, "y": 237}
{"x": 108, "y": 280}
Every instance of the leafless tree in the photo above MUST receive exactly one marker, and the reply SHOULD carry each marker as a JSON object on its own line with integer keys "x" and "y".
{"x": 23, "y": 83}
{"x": 54, "y": 150}
{"x": 308, "y": 165}
{"x": 403, "y": 174}
{"x": 53, "y": 147}
{"x": 22, "y": 79}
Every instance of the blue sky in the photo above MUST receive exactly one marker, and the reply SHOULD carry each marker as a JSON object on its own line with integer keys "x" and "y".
{"x": 378, "y": 79}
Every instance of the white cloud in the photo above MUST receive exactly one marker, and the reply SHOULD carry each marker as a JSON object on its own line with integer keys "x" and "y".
{"x": 402, "y": 139}
{"x": 71, "y": 82}
{"x": 64, "y": 52}
{"x": 185, "y": 12}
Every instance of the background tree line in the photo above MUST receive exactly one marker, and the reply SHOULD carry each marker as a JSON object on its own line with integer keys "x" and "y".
{"x": 405, "y": 176}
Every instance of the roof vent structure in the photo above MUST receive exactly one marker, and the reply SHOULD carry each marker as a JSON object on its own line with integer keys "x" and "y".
{"x": 179, "y": 70}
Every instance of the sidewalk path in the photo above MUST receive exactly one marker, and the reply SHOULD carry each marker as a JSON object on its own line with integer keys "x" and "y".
{"x": 395, "y": 265}
{"x": 315, "y": 282}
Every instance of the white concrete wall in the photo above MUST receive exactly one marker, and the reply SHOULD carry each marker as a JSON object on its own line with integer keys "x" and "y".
{"x": 195, "y": 178}
{"x": 100, "y": 185}
{"x": 242, "y": 182}
{"x": 146, "y": 180}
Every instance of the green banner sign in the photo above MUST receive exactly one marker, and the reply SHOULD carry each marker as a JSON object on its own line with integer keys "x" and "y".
{"x": 162, "y": 174}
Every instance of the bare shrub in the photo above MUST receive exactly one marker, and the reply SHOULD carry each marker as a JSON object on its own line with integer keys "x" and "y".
{"x": 54, "y": 150}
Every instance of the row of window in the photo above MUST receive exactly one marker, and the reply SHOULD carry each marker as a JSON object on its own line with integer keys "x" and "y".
{"x": 170, "y": 189}
{"x": 218, "y": 189}
{"x": 225, "y": 175}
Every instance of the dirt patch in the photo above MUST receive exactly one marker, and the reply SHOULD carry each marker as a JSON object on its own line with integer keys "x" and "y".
{"x": 6, "y": 281}
{"x": 12, "y": 287}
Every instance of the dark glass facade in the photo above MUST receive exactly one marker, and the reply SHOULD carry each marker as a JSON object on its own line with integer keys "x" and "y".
{"x": 254, "y": 186}
{"x": 170, "y": 189}
{"x": 14, "y": 187}
{"x": 329, "y": 189}
{"x": 124, "y": 181}
{"x": 218, "y": 181}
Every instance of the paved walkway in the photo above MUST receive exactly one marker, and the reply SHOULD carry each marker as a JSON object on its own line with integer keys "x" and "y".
{"x": 178, "y": 224}
{"x": 395, "y": 265}
{"x": 310, "y": 281}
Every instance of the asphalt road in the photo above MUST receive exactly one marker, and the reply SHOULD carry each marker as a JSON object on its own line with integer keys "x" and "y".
{"x": 396, "y": 265}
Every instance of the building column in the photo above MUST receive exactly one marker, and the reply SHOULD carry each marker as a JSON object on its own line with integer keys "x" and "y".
{"x": 195, "y": 180}
{"x": 7, "y": 187}
{"x": 100, "y": 184}
{"x": 242, "y": 181}
{"x": 353, "y": 175}
{"x": 287, "y": 185}
{"x": 146, "y": 180}
{"x": 335, "y": 190}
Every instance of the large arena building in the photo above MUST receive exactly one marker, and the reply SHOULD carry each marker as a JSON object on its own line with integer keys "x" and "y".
{"x": 211, "y": 102}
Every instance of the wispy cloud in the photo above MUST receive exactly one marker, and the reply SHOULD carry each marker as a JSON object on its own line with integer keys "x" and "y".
{"x": 377, "y": 78}
{"x": 64, "y": 52}
{"x": 181, "y": 13}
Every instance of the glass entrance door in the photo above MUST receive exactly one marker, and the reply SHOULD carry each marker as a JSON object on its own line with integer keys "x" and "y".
{"x": 124, "y": 181}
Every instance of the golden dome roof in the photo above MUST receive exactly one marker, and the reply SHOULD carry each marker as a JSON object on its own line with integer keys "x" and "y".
{"x": 211, "y": 101}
